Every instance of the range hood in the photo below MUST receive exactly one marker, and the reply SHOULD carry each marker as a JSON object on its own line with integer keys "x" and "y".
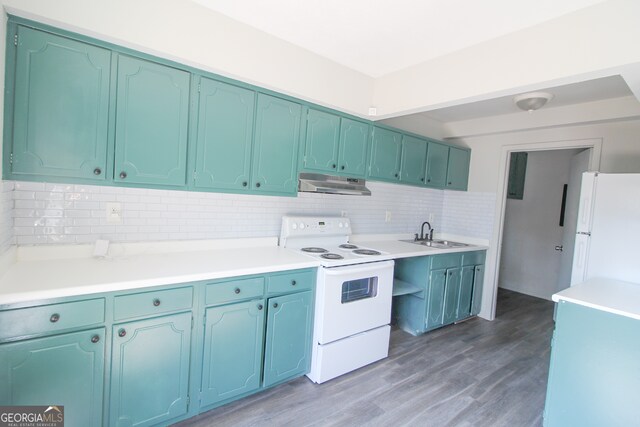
{"x": 319, "y": 183}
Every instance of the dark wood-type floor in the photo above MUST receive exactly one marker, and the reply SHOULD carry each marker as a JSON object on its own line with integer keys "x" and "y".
{"x": 476, "y": 373}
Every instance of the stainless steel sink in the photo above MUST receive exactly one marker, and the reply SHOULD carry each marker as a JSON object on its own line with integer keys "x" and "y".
{"x": 438, "y": 244}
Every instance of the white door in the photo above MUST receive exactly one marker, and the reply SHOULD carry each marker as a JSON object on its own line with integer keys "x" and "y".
{"x": 579, "y": 164}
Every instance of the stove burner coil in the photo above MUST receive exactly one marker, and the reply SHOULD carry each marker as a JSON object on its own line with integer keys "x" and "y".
{"x": 331, "y": 256}
{"x": 366, "y": 252}
{"x": 348, "y": 246}
{"x": 314, "y": 250}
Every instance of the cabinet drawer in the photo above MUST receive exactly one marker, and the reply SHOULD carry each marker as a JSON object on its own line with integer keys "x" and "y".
{"x": 234, "y": 290}
{"x": 290, "y": 281}
{"x": 50, "y": 318}
{"x": 445, "y": 261}
{"x": 473, "y": 258}
{"x": 151, "y": 303}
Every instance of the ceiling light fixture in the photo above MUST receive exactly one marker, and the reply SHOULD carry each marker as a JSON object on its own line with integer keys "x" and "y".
{"x": 532, "y": 101}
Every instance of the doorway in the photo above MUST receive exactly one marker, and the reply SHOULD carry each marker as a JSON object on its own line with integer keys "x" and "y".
{"x": 540, "y": 220}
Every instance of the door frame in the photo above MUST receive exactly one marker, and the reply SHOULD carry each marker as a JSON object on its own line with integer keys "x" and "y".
{"x": 595, "y": 144}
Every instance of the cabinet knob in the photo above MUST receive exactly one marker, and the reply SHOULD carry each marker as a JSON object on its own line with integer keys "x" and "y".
{"x": 122, "y": 332}
{"x": 95, "y": 338}
{"x": 450, "y": 273}
{"x": 54, "y": 318}
{"x": 342, "y": 167}
{"x": 449, "y": 183}
{"x": 260, "y": 307}
{"x": 257, "y": 185}
{"x": 428, "y": 179}
{"x": 275, "y": 305}
{"x": 123, "y": 175}
{"x": 236, "y": 290}
{"x": 97, "y": 171}
{"x": 245, "y": 183}
{"x": 396, "y": 175}
{"x": 293, "y": 283}
{"x": 422, "y": 179}
{"x": 156, "y": 302}
{"x": 333, "y": 166}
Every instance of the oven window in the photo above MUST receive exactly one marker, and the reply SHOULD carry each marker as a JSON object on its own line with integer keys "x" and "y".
{"x": 354, "y": 290}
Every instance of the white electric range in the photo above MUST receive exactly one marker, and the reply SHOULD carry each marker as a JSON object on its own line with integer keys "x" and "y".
{"x": 353, "y": 295}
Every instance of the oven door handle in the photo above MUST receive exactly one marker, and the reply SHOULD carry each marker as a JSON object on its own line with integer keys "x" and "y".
{"x": 358, "y": 268}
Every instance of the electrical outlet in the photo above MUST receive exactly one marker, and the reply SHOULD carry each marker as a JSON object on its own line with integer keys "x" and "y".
{"x": 387, "y": 216}
{"x": 114, "y": 213}
{"x": 343, "y": 214}
{"x": 432, "y": 218}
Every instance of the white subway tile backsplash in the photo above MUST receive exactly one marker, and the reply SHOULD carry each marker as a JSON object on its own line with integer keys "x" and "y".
{"x": 36, "y": 213}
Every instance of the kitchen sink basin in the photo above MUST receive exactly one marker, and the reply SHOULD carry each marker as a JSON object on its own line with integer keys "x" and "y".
{"x": 437, "y": 244}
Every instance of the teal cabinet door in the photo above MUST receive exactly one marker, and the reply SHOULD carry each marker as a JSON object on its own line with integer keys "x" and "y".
{"x": 435, "y": 298}
{"x": 63, "y": 370}
{"x": 517, "y": 173}
{"x": 478, "y": 281}
{"x": 322, "y": 140}
{"x": 224, "y": 136}
{"x": 152, "y": 111}
{"x": 437, "y": 161}
{"x": 465, "y": 292}
{"x": 61, "y": 108}
{"x": 414, "y": 156}
{"x": 354, "y": 145}
{"x": 384, "y": 163}
{"x": 232, "y": 363}
{"x": 275, "y": 151}
{"x": 150, "y": 370}
{"x": 288, "y": 340}
{"x": 458, "y": 169}
{"x": 451, "y": 294}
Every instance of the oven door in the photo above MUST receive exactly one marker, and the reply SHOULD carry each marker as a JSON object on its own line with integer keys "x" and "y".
{"x": 352, "y": 299}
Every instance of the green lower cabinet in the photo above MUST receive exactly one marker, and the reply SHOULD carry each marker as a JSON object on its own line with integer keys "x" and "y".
{"x": 435, "y": 298}
{"x": 152, "y": 113}
{"x": 65, "y": 369}
{"x": 232, "y": 362}
{"x": 451, "y": 294}
{"x": 288, "y": 339}
{"x": 150, "y": 370}
{"x": 478, "y": 281}
{"x": 465, "y": 292}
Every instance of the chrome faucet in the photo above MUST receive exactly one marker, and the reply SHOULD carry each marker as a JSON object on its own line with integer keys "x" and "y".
{"x": 422, "y": 236}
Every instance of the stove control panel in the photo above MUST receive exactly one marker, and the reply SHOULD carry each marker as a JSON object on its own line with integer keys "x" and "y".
{"x": 310, "y": 226}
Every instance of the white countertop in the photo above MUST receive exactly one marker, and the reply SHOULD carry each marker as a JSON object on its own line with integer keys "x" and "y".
{"x": 45, "y": 272}
{"x": 609, "y": 295}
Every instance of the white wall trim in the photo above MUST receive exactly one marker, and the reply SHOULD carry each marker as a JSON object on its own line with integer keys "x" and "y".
{"x": 594, "y": 164}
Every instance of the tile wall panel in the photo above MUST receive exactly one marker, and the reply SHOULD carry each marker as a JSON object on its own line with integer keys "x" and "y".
{"x": 468, "y": 214}
{"x": 6, "y": 215}
{"x": 64, "y": 213}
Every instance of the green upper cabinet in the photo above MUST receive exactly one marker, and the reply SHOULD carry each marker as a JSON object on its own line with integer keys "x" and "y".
{"x": 414, "y": 155}
{"x": 61, "y": 107}
{"x": 233, "y": 344}
{"x": 458, "y": 169}
{"x": 288, "y": 340}
{"x": 63, "y": 370}
{"x": 335, "y": 145}
{"x": 321, "y": 142}
{"x": 354, "y": 144}
{"x": 224, "y": 136}
{"x": 386, "y": 147}
{"x": 437, "y": 160}
{"x": 152, "y": 111}
{"x": 150, "y": 370}
{"x": 275, "y": 151}
{"x": 517, "y": 173}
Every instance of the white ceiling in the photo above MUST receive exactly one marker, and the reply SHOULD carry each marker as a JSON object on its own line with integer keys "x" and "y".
{"x": 377, "y": 37}
{"x": 575, "y": 93}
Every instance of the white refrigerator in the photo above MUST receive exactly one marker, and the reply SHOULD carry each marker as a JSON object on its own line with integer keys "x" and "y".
{"x": 608, "y": 229}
